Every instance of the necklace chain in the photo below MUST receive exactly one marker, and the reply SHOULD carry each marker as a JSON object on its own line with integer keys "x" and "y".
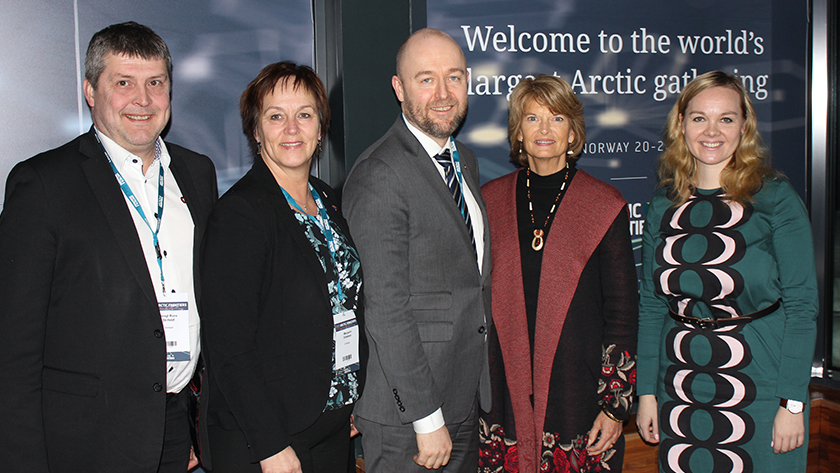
{"x": 539, "y": 233}
{"x": 305, "y": 200}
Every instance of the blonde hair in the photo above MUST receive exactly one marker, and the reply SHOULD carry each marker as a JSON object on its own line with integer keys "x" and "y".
{"x": 554, "y": 93}
{"x": 745, "y": 173}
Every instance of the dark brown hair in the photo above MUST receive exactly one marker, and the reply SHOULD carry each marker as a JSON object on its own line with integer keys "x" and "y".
{"x": 285, "y": 73}
{"x": 130, "y": 39}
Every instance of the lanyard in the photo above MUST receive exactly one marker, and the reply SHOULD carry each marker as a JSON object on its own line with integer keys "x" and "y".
{"x": 324, "y": 224}
{"x": 136, "y": 204}
{"x": 457, "y": 161}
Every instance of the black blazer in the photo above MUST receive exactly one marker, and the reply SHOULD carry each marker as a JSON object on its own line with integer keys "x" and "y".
{"x": 82, "y": 352}
{"x": 266, "y": 317}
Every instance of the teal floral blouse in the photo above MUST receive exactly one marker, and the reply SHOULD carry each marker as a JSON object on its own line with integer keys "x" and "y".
{"x": 344, "y": 388}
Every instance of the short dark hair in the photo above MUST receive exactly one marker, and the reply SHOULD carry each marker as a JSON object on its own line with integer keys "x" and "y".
{"x": 130, "y": 39}
{"x": 300, "y": 77}
{"x": 554, "y": 93}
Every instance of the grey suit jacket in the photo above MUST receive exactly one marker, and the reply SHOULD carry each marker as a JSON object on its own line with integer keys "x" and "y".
{"x": 427, "y": 306}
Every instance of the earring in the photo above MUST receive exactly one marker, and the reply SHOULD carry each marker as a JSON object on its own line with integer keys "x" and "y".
{"x": 570, "y": 152}
{"x": 319, "y": 145}
{"x": 520, "y": 147}
{"x": 259, "y": 148}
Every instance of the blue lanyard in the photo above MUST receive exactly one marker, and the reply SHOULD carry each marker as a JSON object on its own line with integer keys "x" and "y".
{"x": 136, "y": 204}
{"x": 457, "y": 161}
{"x": 324, "y": 225}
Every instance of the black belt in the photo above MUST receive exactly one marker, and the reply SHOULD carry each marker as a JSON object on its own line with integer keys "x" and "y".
{"x": 717, "y": 323}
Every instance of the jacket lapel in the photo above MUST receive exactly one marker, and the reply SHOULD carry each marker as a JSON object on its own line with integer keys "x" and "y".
{"x": 286, "y": 218}
{"x": 509, "y": 319}
{"x": 426, "y": 170}
{"x": 104, "y": 186}
{"x": 580, "y": 222}
{"x": 198, "y": 208}
{"x": 471, "y": 180}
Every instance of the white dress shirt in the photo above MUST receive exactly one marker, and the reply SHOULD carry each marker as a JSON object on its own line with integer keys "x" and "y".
{"x": 175, "y": 238}
{"x": 476, "y": 219}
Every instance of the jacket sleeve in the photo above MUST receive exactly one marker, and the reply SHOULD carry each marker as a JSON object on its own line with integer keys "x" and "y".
{"x": 621, "y": 316}
{"x": 378, "y": 216}
{"x": 28, "y": 248}
{"x": 234, "y": 270}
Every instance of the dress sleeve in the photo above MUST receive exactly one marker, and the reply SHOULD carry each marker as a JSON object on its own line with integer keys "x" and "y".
{"x": 794, "y": 251}
{"x": 621, "y": 315}
{"x": 653, "y": 309}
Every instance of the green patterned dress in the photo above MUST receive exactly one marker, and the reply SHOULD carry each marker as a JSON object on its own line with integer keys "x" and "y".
{"x": 719, "y": 389}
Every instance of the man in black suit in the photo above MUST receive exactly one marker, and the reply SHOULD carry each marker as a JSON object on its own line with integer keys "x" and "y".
{"x": 98, "y": 241}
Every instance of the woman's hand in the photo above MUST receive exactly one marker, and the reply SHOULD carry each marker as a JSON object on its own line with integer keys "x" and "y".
{"x": 284, "y": 462}
{"x": 353, "y": 431}
{"x": 788, "y": 431}
{"x": 609, "y": 429}
{"x": 647, "y": 418}
{"x": 193, "y": 460}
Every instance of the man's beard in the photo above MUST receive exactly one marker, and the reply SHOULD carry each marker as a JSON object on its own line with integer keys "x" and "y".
{"x": 426, "y": 124}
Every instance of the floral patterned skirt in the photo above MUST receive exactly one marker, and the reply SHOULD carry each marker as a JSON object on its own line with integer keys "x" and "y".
{"x": 498, "y": 454}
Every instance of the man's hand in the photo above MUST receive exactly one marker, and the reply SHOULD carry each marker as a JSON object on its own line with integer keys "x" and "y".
{"x": 433, "y": 449}
{"x": 284, "y": 462}
{"x": 788, "y": 431}
{"x": 647, "y": 418}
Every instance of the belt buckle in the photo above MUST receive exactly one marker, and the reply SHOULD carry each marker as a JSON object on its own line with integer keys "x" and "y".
{"x": 707, "y": 323}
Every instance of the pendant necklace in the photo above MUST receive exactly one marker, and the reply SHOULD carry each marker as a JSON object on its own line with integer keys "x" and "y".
{"x": 305, "y": 208}
{"x": 539, "y": 234}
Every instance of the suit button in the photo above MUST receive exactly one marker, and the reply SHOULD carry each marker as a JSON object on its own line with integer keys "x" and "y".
{"x": 482, "y": 329}
{"x": 158, "y": 333}
{"x": 157, "y": 387}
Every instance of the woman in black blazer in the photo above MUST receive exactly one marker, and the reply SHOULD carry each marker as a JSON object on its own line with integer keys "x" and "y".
{"x": 281, "y": 308}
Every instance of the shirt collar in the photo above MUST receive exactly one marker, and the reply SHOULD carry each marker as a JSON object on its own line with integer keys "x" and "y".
{"x": 427, "y": 142}
{"x": 123, "y": 158}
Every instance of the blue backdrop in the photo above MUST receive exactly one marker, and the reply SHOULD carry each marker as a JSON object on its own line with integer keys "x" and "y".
{"x": 628, "y": 61}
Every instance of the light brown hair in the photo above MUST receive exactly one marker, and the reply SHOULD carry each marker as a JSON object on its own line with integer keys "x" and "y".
{"x": 746, "y": 171}
{"x": 554, "y": 93}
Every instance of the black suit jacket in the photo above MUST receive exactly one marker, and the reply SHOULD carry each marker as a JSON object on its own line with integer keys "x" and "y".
{"x": 266, "y": 317}
{"x": 82, "y": 352}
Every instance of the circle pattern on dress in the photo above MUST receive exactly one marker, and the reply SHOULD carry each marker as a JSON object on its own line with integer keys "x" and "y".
{"x": 704, "y": 415}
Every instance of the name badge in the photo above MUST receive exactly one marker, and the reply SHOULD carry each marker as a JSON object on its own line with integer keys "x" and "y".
{"x": 346, "y": 336}
{"x": 176, "y": 324}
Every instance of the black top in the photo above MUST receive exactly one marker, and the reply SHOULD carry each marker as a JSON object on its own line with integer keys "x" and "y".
{"x": 544, "y": 190}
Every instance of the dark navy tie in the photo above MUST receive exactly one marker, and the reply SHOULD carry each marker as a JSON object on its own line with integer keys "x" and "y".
{"x": 445, "y": 160}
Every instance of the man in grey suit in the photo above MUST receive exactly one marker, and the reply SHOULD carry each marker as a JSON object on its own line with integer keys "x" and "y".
{"x": 416, "y": 214}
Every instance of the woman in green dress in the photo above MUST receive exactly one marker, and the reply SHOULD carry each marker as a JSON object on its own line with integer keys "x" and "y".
{"x": 728, "y": 295}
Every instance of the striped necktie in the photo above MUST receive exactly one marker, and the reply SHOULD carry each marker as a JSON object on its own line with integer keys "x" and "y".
{"x": 445, "y": 160}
